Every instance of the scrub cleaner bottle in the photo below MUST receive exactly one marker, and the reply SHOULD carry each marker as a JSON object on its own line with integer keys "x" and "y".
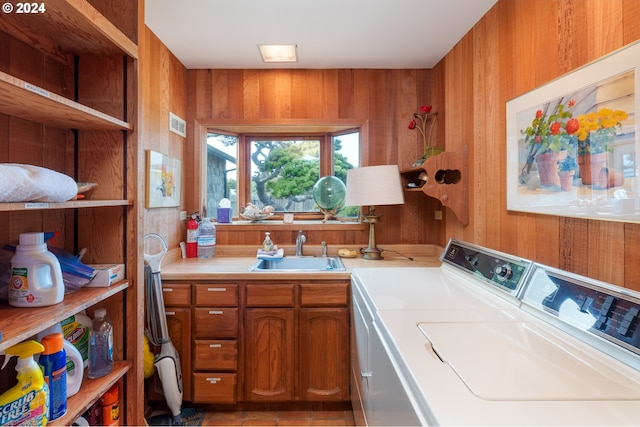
{"x": 26, "y": 403}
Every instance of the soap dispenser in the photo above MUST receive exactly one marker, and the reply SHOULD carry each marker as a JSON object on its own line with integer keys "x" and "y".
{"x": 267, "y": 246}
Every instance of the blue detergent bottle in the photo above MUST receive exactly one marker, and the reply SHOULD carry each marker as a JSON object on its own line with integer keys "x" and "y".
{"x": 54, "y": 366}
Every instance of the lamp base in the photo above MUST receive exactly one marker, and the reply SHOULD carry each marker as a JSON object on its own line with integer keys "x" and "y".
{"x": 372, "y": 252}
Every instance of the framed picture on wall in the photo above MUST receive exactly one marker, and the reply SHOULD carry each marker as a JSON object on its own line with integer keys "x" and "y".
{"x": 572, "y": 144}
{"x": 163, "y": 180}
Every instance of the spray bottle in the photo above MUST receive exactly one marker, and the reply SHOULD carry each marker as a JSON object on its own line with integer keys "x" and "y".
{"x": 26, "y": 403}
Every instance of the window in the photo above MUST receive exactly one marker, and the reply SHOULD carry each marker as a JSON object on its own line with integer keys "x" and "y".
{"x": 278, "y": 170}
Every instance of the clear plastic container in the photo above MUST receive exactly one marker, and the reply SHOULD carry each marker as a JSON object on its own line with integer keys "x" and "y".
{"x": 100, "y": 345}
{"x": 206, "y": 239}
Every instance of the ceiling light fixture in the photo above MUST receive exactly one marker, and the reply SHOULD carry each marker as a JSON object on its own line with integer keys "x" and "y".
{"x": 278, "y": 52}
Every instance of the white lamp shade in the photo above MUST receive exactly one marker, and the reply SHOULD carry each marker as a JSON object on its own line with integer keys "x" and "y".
{"x": 374, "y": 186}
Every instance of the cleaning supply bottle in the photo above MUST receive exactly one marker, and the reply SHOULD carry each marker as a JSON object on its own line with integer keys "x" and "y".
{"x": 54, "y": 366}
{"x": 110, "y": 407}
{"x": 36, "y": 276}
{"x": 76, "y": 330}
{"x": 100, "y": 345}
{"x": 26, "y": 403}
{"x": 206, "y": 239}
{"x": 267, "y": 245}
{"x": 74, "y": 362}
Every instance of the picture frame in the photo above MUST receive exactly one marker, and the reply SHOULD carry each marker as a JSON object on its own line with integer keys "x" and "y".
{"x": 585, "y": 112}
{"x": 164, "y": 179}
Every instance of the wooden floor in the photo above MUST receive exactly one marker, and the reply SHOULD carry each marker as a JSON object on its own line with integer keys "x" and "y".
{"x": 279, "y": 418}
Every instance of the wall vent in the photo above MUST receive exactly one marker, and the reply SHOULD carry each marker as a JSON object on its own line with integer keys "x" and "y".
{"x": 177, "y": 125}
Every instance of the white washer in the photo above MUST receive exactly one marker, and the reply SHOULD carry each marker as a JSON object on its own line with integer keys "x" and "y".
{"x": 490, "y": 339}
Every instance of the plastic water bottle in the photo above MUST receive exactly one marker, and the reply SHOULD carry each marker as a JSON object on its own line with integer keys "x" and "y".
{"x": 100, "y": 345}
{"x": 206, "y": 239}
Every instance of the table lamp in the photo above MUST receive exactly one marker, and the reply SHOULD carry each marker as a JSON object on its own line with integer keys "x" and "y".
{"x": 373, "y": 186}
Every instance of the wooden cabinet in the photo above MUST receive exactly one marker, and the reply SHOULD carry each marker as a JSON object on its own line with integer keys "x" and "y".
{"x": 68, "y": 102}
{"x": 265, "y": 341}
{"x": 177, "y": 302}
{"x": 269, "y": 342}
{"x": 323, "y": 341}
{"x": 296, "y": 338}
{"x": 215, "y": 342}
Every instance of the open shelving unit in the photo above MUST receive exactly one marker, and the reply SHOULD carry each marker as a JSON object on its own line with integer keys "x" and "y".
{"x": 68, "y": 101}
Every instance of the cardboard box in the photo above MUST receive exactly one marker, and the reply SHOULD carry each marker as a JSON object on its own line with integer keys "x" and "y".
{"x": 105, "y": 275}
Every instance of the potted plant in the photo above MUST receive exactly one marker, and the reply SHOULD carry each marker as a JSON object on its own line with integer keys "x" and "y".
{"x": 596, "y": 135}
{"x": 549, "y": 139}
{"x": 566, "y": 171}
{"x": 426, "y": 118}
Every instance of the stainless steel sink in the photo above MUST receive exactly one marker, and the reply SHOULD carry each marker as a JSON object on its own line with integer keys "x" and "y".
{"x": 299, "y": 264}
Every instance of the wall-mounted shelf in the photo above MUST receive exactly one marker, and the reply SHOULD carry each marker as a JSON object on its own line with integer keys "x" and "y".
{"x": 23, "y": 99}
{"x": 66, "y": 26}
{"x": 447, "y": 181}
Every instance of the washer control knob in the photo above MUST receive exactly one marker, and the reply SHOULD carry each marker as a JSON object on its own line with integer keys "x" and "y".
{"x": 503, "y": 272}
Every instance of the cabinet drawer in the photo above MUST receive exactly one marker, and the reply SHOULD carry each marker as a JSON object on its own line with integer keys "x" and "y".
{"x": 332, "y": 294}
{"x": 215, "y": 322}
{"x": 270, "y": 295}
{"x": 219, "y": 295}
{"x": 214, "y": 387}
{"x": 176, "y": 294}
{"x": 215, "y": 355}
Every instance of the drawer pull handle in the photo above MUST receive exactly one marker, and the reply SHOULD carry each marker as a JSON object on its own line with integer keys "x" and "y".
{"x": 364, "y": 375}
{"x": 215, "y": 345}
{"x": 170, "y": 313}
{"x": 216, "y": 289}
{"x": 216, "y": 312}
{"x": 213, "y": 380}
{"x": 167, "y": 289}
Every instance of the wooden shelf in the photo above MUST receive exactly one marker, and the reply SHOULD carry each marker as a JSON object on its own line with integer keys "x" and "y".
{"x": 18, "y": 324}
{"x": 68, "y": 27}
{"x": 22, "y": 99}
{"x": 89, "y": 393}
{"x": 447, "y": 181}
{"x": 73, "y": 204}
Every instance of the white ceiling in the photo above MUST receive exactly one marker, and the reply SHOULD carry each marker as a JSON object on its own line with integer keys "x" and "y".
{"x": 329, "y": 33}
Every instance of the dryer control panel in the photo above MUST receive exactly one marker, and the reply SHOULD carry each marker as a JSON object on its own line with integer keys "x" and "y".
{"x": 501, "y": 271}
{"x": 593, "y": 307}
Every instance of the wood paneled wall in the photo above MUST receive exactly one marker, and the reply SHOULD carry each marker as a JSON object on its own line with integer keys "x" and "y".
{"x": 163, "y": 82}
{"x": 518, "y": 46}
{"x": 386, "y": 99}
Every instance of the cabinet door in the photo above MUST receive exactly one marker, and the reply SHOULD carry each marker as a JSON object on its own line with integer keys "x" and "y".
{"x": 269, "y": 354}
{"x": 179, "y": 327}
{"x": 324, "y": 354}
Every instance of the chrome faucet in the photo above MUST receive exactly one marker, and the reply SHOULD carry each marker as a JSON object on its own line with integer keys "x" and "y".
{"x": 300, "y": 240}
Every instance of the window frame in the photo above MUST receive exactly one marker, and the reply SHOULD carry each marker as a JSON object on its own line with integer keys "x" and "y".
{"x": 323, "y": 130}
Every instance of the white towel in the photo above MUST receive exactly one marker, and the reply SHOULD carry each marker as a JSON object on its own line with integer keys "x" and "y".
{"x": 274, "y": 254}
{"x": 28, "y": 183}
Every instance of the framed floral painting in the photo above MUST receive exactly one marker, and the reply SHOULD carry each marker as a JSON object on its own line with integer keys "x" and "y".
{"x": 572, "y": 144}
{"x": 163, "y": 180}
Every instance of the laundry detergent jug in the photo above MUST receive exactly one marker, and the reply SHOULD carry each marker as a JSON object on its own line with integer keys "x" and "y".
{"x": 36, "y": 276}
